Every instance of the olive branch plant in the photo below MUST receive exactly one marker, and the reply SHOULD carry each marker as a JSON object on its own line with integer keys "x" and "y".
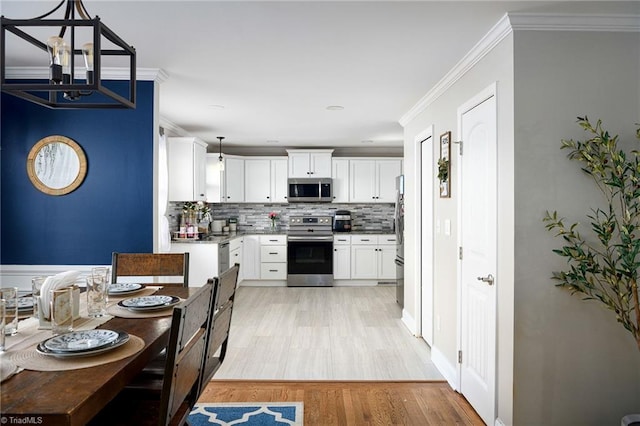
{"x": 605, "y": 268}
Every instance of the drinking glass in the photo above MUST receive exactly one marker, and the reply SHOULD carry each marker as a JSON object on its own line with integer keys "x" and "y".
{"x": 103, "y": 272}
{"x": 61, "y": 310}
{"x": 10, "y": 295}
{"x": 97, "y": 288}
{"x": 36, "y": 288}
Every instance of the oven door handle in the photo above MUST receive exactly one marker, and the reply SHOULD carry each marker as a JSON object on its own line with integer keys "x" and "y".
{"x": 309, "y": 238}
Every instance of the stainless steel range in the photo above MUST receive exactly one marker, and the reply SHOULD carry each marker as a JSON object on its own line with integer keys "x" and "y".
{"x": 310, "y": 251}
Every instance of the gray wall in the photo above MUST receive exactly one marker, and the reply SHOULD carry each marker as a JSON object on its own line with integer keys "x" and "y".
{"x": 496, "y": 67}
{"x": 574, "y": 365}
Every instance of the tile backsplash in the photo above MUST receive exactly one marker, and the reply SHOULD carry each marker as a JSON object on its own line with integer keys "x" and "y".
{"x": 365, "y": 217}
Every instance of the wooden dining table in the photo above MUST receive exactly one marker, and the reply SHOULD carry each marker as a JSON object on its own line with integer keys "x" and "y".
{"x": 73, "y": 397}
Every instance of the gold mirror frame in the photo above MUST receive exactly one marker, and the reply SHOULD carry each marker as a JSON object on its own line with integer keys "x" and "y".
{"x": 39, "y": 158}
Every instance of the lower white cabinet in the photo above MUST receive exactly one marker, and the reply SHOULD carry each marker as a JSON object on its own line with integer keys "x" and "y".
{"x": 251, "y": 257}
{"x": 372, "y": 257}
{"x": 235, "y": 255}
{"x": 341, "y": 257}
{"x": 273, "y": 257}
{"x": 203, "y": 261}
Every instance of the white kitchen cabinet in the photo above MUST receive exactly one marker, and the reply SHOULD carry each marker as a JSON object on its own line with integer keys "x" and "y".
{"x": 235, "y": 256}
{"x": 203, "y": 261}
{"x": 342, "y": 257}
{"x": 340, "y": 180}
{"x": 187, "y": 159}
{"x": 257, "y": 172}
{"x": 279, "y": 175}
{"x": 309, "y": 163}
{"x": 233, "y": 179}
{"x": 372, "y": 257}
{"x": 387, "y": 257}
{"x": 213, "y": 180}
{"x": 265, "y": 180}
{"x": 251, "y": 257}
{"x": 273, "y": 257}
{"x": 373, "y": 180}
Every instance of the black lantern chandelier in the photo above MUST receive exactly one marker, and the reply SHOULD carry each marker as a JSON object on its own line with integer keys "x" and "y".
{"x": 65, "y": 90}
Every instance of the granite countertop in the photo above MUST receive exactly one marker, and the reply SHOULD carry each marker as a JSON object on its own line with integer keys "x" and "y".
{"x": 228, "y": 236}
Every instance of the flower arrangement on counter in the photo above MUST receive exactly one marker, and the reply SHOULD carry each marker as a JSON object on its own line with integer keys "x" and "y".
{"x": 273, "y": 216}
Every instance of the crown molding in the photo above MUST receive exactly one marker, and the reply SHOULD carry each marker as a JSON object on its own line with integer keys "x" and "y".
{"x": 486, "y": 44}
{"x": 108, "y": 73}
{"x": 574, "y": 22}
{"x": 521, "y": 22}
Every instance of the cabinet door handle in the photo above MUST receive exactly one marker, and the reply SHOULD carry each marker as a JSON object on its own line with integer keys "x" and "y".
{"x": 273, "y": 252}
{"x": 273, "y": 270}
{"x": 268, "y": 198}
{"x": 364, "y": 240}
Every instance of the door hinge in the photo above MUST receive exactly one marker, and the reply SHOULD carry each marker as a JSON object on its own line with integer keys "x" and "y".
{"x": 459, "y": 357}
{"x": 459, "y": 149}
{"x": 460, "y": 253}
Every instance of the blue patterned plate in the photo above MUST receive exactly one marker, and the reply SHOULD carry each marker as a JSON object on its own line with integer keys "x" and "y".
{"x": 124, "y": 288}
{"x": 148, "y": 303}
{"x": 120, "y": 340}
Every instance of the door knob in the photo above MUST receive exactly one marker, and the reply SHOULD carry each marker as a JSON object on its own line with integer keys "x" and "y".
{"x": 488, "y": 279}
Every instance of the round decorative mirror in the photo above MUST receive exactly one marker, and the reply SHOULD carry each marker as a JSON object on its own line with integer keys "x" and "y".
{"x": 56, "y": 165}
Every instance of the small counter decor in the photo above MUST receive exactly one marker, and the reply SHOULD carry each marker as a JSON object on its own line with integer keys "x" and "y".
{"x": 444, "y": 165}
{"x": 274, "y": 217}
{"x": 604, "y": 265}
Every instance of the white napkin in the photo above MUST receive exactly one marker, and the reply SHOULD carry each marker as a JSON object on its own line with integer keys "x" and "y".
{"x": 54, "y": 282}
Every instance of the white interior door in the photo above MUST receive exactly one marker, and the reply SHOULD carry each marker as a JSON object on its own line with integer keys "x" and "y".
{"x": 477, "y": 303}
{"x": 426, "y": 238}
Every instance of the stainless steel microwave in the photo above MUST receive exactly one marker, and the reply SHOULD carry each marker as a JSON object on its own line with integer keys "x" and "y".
{"x": 309, "y": 190}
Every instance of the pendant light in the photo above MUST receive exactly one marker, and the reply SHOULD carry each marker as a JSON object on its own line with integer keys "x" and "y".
{"x": 220, "y": 159}
{"x": 63, "y": 89}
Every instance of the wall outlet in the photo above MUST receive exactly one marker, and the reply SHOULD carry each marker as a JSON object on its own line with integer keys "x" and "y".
{"x": 447, "y": 227}
{"x": 437, "y": 322}
{"x": 243, "y": 218}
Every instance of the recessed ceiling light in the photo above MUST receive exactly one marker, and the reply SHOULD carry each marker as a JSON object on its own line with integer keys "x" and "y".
{"x": 367, "y": 141}
{"x": 216, "y": 106}
{"x": 335, "y": 108}
{"x": 273, "y": 141}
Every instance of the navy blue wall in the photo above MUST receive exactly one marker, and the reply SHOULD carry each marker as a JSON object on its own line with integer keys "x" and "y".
{"x": 112, "y": 209}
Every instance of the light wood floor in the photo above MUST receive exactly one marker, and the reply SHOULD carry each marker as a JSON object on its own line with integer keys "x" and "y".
{"x": 328, "y": 333}
{"x": 355, "y": 403}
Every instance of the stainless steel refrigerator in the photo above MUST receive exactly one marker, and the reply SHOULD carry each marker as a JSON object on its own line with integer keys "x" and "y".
{"x": 399, "y": 227}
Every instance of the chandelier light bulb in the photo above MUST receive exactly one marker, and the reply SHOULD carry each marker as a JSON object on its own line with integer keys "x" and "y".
{"x": 87, "y": 54}
{"x": 56, "y": 48}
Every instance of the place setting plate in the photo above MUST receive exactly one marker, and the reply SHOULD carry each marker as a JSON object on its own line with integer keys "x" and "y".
{"x": 149, "y": 303}
{"x": 82, "y": 343}
{"x": 117, "y": 289}
{"x": 25, "y": 303}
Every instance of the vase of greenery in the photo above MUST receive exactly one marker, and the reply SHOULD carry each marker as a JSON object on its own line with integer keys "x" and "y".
{"x": 605, "y": 268}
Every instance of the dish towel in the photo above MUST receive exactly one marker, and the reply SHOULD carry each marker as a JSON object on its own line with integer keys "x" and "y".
{"x": 54, "y": 282}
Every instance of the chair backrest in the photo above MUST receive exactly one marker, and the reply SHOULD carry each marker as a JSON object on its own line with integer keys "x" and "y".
{"x": 150, "y": 265}
{"x": 219, "y": 323}
{"x": 185, "y": 354}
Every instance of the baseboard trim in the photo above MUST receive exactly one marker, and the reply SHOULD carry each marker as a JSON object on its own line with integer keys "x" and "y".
{"x": 445, "y": 368}
{"x": 409, "y": 322}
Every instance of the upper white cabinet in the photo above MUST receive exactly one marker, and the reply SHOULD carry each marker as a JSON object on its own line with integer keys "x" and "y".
{"x": 340, "y": 180}
{"x": 266, "y": 180}
{"x": 373, "y": 180}
{"x": 187, "y": 169}
{"x": 233, "y": 179}
{"x": 309, "y": 163}
{"x": 214, "y": 189}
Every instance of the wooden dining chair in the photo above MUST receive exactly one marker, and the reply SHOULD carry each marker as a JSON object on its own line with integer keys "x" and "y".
{"x": 150, "y": 265}
{"x": 219, "y": 323}
{"x": 180, "y": 382}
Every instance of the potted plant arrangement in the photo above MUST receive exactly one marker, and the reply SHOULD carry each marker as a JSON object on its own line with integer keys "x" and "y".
{"x": 274, "y": 217}
{"x": 604, "y": 266}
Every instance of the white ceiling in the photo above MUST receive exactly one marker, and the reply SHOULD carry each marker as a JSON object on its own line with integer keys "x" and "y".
{"x": 276, "y": 66}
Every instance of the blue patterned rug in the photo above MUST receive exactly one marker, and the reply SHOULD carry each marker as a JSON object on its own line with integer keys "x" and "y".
{"x": 247, "y": 414}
